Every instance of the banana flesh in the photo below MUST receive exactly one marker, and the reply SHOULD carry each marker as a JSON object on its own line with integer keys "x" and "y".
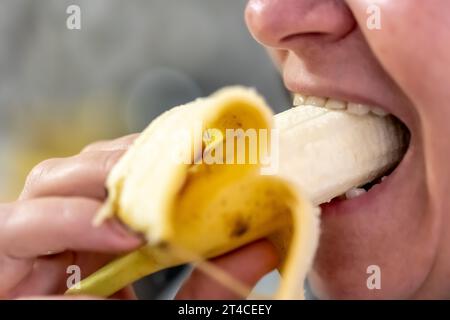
{"x": 209, "y": 209}
{"x": 328, "y": 152}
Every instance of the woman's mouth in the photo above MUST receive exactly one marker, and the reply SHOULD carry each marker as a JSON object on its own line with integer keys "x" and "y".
{"x": 379, "y": 191}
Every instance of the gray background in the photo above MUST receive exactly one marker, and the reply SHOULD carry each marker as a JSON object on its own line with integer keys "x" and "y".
{"x": 61, "y": 89}
{"x": 55, "y": 82}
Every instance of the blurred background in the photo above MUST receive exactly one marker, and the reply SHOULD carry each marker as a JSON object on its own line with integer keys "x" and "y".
{"x": 61, "y": 89}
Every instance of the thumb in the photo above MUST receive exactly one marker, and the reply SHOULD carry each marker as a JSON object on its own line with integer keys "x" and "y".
{"x": 247, "y": 265}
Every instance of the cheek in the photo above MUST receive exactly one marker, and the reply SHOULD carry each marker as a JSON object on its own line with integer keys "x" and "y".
{"x": 278, "y": 57}
{"x": 412, "y": 43}
{"x": 413, "y": 47}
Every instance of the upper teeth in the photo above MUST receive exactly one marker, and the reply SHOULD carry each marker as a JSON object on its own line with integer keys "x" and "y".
{"x": 353, "y": 108}
{"x": 315, "y": 101}
{"x": 357, "y": 108}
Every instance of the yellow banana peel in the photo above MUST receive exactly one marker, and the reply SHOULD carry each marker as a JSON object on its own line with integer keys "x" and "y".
{"x": 203, "y": 197}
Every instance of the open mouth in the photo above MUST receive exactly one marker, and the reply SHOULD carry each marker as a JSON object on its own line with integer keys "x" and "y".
{"x": 361, "y": 195}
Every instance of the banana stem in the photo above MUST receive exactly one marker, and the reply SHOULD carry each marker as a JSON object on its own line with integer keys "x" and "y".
{"x": 118, "y": 274}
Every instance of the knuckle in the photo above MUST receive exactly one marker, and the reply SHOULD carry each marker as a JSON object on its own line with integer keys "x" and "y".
{"x": 94, "y": 146}
{"x": 120, "y": 144}
{"x": 38, "y": 172}
{"x": 109, "y": 160}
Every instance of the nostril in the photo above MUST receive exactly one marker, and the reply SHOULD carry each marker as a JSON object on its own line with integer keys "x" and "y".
{"x": 306, "y": 38}
{"x": 303, "y": 35}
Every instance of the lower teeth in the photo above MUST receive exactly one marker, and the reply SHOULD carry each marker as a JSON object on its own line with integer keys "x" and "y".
{"x": 354, "y": 193}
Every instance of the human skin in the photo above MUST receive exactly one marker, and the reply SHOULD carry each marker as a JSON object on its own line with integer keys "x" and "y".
{"x": 324, "y": 48}
{"x": 50, "y": 228}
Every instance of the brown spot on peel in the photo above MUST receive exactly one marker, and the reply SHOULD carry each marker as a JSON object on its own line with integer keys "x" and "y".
{"x": 240, "y": 228}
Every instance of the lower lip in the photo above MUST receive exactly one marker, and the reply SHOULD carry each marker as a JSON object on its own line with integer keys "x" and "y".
{"x": 381, "y": 192}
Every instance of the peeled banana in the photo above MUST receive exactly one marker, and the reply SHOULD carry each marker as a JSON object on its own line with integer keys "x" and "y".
{"x": 196, "y": 194}
{"x": 328, "y": 152}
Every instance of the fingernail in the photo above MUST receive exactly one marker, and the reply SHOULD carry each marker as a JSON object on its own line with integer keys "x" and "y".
{"x": 123, "y": 231}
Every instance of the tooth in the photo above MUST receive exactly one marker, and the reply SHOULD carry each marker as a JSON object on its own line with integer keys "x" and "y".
{"x": 316, "y": 101}
{"x": 378, "y": 111}
{"x": 354, "y": 193}
{"x": 384, "y": 178}
{"x": 335, "y": 104}
{"x": 299, "y": 100}
{"x": 358, "y": 109}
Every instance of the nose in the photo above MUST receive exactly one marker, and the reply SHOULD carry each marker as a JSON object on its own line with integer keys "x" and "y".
{"x": 284, "y": 23}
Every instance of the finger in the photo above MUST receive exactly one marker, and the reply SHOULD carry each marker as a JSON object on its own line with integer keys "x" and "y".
{"x": 247, "y": 265}
{"x": 89, "y": 262}
{"x": 120, "y": 144}
{"x": 35, "y": 227}
{"x": 12, "y": 272}
{"x": 83, "y": 175}
{"x": 126, "y": 293}
{"x": 46, "y": 277}
{"x": 55, "y": 274}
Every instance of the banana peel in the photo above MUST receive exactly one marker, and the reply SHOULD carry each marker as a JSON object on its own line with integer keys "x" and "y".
{"x": 165, "y": 188}
{"x": 186, "y": 187}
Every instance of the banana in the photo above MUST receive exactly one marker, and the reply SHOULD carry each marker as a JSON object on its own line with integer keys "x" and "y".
{"x": 195, "y": 191}
{"x": 328, "y": 152}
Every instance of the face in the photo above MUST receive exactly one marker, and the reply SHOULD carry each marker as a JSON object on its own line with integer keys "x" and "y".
{"x": 325, "y": 48}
